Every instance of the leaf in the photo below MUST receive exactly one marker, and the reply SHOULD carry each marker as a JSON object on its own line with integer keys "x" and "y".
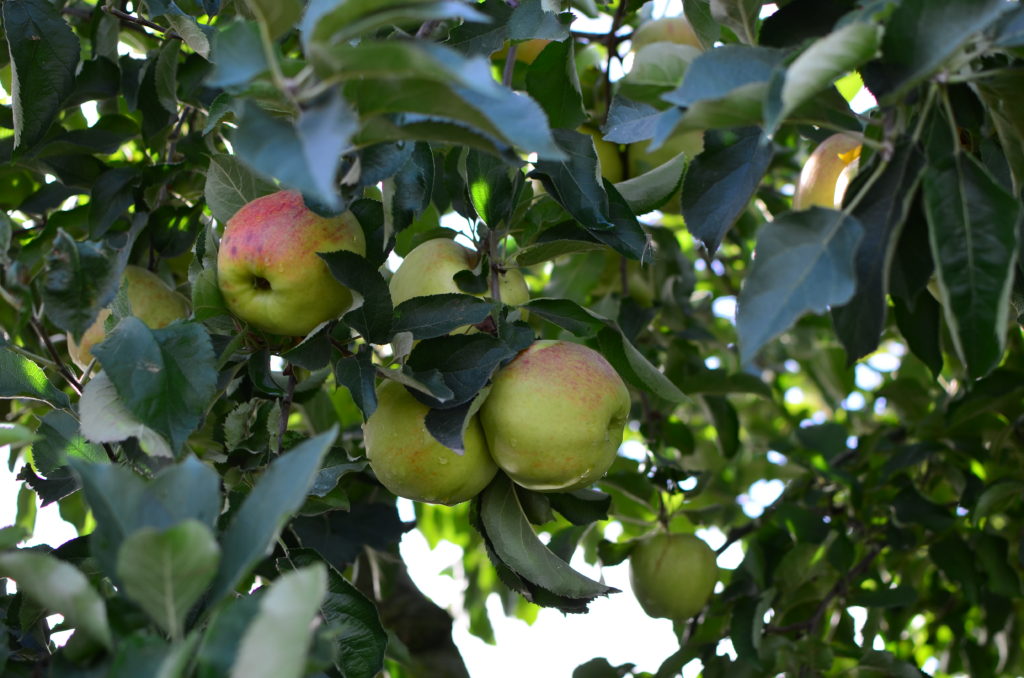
{"x": 371, "y": 316}
{"x": 220, "y": 643}
{"x": 632, "y": 121}
{"x": 973, "y": 230}
{"x": 436, "y": 314}
{"x": 112, "y": 195}
{"x": 634, "y": 367}
{"x": 17, "y": 436}
{"x": 568, "y": 315}
{"x": 80, "y": 279}
{"x": 720, "y": 183}
{"x": 465, "y": 363}
{"x": 59, "y": 587}
{"x": 303, "y": 155}
{"x": 277, "y": 641}
{"x": 493, "y": 186}
{"x": 44, "y": 55}
{"x": 822, "y": 63}
{"x": 166, "y": 571}
{"x": 553, "y": 82}
{"x": 804, "y": 262}
{"x": 485, "y": 34}
{"x": 546, "y": 578}
{"x": 230, "y": 185}
{"x": 921, "y": 36}
{"x": 358, "y": 375}
{"x": 739, "y": 15}
{"x": 22, "y": 378}
{"x": 651, "y": 190}
{"x": 106, "y": 418}
{"x": 279, "y": 16}
{"x": 238, "y": 56}
{"x": 575, "y": 182}
{"x": 278, "y": 494}
{"x": 339, "y": 21}
{"x": 165, "y": 377}
{"x": 60, "y": 440}
{"x": 882, "y": 212}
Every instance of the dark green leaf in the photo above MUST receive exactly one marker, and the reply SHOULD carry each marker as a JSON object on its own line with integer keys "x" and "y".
{"x": 230, "y": 185}
{"x": 552, "y": 80}
{"x": 911, "y": 507}
{"x": 358, "y": 375}
{"x": 80, "y": 279}
{"x": 44, "y": 56}
{"x": 568, "y": 315}
{"x": 279, "y": 16}
{"x": 437, "y": 314}
{"x": 337, "y": 21}
{"x": 278, "y": 494}
{"x": 237, "y": 55}
{"x": 112, "y": 195}
{"x": 61, "y": 440}
{"x": 493, "y": 187}
{"x": 804, "y": 263}
{"x": 165, "y": 377}
{"x": 719, "y": 184}
{"x": 898, "y": 596}
{"x": 372, "y": 316}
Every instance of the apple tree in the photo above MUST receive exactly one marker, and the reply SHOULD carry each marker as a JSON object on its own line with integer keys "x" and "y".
{"x": 863, "y": 347}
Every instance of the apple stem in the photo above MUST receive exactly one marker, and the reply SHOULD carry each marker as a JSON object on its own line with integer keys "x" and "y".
{"x": 510, "y": 66}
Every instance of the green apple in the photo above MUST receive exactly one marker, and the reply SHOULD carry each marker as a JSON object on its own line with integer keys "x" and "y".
{"x": 555, "y": 416}
{"x": 608, "y": 157}
{"x": 526, "y": 51}
{"x": 642, "y": 160}
{"x": 411, "y": 463}
{"x": 151, "y": 301}
{"x": 672, "y": 575}
{"x": 268, "y": 268}
{"x": 430, "y": 268}
{"x": 828, "y": 171}
{"x": 669, "y": 29}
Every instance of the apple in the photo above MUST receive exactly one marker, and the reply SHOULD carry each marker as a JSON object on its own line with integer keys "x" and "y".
{"x": 828, "y": 171}
{"x": 527, "y": 51}
{"x": 151, "y": 301}
{"x": 268, "y": 269}
{"x": 410, "y": 463}
{"x": 672, "y": 575}
{"x": 669, "y": 29}
{"x": 555, "y": 416}
{"x": 430, "y": 268}
{"x": 608, "y": 157}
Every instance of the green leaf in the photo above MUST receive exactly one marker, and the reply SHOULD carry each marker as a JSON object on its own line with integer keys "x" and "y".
{"x": 493, "y": 186}
{"x": 897, "y": 596}
{"x": 279, "y": 16}
{"x": 822, "y": 63}
{"x": 230, "y": 185}
{"x": 568, "y": 315}
{"x": 739, "y": 15}
{"x": 276, "y": 643}
{"x": 112, "y": 195}
{"x": 651, "y": 190}
{"x": 358, "y": 375}
{"x": 80, "y": 279}
{"x": 164, "y": 377}
{"x": 465, "y": 363}
{"x": 546, "y": 579}
{"x": 60, "y": 440}
{"x": 485, "y": 34}
{"x": 166, "y": 571}
{"x": 371, "y": 314}
{"x": 361, "y": 639}
{"x": 636, "y": 368}
{"x": 17, "y": 436}
{"x": 220, "y": 642}
{"x": 921, "y": 36}
{"x": 44, "y": 55}
{"x": 575, "y": 182}
{"x": 973, "y": 230}
{"x": 278, "y": 494}
{"x": 911, "y": 507}
{"x": 552, "y": 80}
{"x": 804, "y": 263}
{"x": 657, "y": 68}
{"x": 339, "y": 21}
{"x": 720, "y": 183}
{"x": 436, "y": 314}
{"x": 22, "y": 378}
{"x": 882, "y": 212}
{"x": 59, "y": 587}
{"x": 238, "y": 55}
{"x": 303, "y": 155}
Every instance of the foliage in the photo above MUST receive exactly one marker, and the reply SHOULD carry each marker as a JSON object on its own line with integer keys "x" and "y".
{"x": 228, "y": 521}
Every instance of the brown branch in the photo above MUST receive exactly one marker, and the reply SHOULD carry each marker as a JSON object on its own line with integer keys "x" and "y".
{"x": 611, "y": 42}
{"x": 131, "y": 19}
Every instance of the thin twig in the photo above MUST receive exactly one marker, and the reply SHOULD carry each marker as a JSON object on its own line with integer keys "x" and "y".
{"x": 286, "y": 406}
{"x": 125, "y": 17}
{"x": 612, "y": 44}
{"x": 62, "y": 368}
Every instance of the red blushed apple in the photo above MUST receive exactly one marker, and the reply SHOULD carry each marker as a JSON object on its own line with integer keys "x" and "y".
{"x": 268, "y": 268}
{"x": 555, "y": 416}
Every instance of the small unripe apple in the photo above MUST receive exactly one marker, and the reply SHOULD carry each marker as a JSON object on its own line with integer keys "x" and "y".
{"x": 430, "y": 268}
{"x": 151, "y": 301}
{"x": 268, "y": 268}
{"x": 672, "y": 575}
{"x": 555, "y": 416}
{"x": 526, "y": 51}
{"x": 608, "y": 157}
{"x": 828, "y": 171}
{"x": 411, "y": 463}
{"x": 669, "y": 29}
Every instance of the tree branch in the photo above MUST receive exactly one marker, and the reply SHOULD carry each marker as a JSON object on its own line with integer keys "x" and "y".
{"x": 131, "y": 19}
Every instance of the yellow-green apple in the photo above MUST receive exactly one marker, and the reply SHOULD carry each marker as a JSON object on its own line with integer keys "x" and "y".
{"x": 608, "y": 156}
{"x": 555, "y": 416}
{"x": 268, "y": 268}
{"x": 639, "y": 280}
{"x": 151, "y": 301}
{"x": 430, "y": 268}
{"x": 675, "y": 29}
{"x": 672, "y": 575}
{"x": 411, "y": 463}
{"x": 828, "y": 171}
{"x": 526, "y": 51}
